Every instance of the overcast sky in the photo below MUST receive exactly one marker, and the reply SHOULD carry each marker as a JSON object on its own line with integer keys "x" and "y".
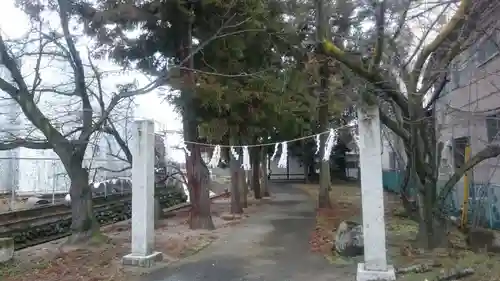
{"x": 14, "y": 22}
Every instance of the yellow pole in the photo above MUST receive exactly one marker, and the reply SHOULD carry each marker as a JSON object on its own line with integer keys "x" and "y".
{"x": 465, "y": 203}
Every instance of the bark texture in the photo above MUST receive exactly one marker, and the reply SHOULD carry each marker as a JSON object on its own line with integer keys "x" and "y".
{"x": 255, "y": 182}
{"x": 84, "y": 224}
{"x": 234, "y": 167}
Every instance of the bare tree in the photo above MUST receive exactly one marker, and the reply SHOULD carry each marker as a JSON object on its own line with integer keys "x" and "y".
{"x": 68, "y": 129}
{"x": 401, "y": 76}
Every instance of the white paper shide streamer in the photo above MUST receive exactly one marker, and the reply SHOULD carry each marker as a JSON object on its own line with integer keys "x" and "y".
{"x": 234, "y": 153}
{"x": 214, "y": 162}
{"x": 275, "y": 151}
{"x": 330, "y": 142}
{"x": 284, "y": 155}
{"x": 317, "y": 143}
{"x": 246, "y": 159}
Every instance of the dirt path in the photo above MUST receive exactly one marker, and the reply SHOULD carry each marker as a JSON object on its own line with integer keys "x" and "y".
{"x": 270, "y": 245}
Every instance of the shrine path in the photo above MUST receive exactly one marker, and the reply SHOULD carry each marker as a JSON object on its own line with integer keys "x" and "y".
{"x": 271, "y": 245}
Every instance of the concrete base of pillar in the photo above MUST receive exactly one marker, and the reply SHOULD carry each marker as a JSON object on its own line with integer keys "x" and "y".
{"x": 371, "y": 275}
{"x": 142, "y": 261}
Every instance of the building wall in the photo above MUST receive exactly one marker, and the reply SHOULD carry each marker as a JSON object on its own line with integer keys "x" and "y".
{"x": 469, "y": 105}
{"x": 469, "y": 109}
{"x": 294, "y": 169}
{"x": 29, "y": 171}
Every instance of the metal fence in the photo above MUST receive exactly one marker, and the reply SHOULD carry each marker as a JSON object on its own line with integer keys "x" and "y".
{"x": 21, "y": 178}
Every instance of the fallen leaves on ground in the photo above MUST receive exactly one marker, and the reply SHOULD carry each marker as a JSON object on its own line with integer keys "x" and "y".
{"x": 401, "y": 234}
{"x": 51, "y": 261}
{"x": 322, "y": 237}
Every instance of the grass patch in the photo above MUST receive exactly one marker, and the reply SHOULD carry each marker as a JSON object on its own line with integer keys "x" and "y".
{"x": 345, "y": 207}
{"x": 15, "y": 268}
{"x": 195, "y": 249}
{"x": 401, "y": 234}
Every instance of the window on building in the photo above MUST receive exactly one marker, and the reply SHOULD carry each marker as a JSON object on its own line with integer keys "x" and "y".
{"x": 461, "y": 70}
{"x": 455, "y": 76}
{"x": 493, "y": 127}
{"x": 459, "y": 145}
{"x": 465, "y": 73}
{"x": 487, "y": 49}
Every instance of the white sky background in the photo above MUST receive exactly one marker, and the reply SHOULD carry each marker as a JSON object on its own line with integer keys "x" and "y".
{"x": 14, "y": 23}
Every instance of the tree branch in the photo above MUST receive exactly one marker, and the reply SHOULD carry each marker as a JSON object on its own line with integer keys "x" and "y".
{"x": 455, "y": 23}
{"x": 380, "y": 27}
{"x": 437, "y": 91}
{"x": 80, "y": 85}
{"x": 490, "y": 151}
{"x": 111, "y": 130}
{"x": 25, "y": 100}
{"x": 394, "y": 126}
{"x": 31, "y": 144}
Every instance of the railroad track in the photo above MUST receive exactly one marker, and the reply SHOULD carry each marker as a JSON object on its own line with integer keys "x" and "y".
{"x": 59, "y": 215}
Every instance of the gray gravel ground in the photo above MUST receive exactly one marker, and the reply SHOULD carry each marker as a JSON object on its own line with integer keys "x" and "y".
{"x": 271, "y": 245}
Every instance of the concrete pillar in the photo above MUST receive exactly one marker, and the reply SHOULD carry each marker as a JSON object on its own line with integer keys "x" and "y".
{"x": 370, "y": 148}
{"x": 143, "y": 233}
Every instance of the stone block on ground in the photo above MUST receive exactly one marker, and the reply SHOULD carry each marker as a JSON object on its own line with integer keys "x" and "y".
{"x": 480, "y": 239}
{"x": 142, "y": 261}
{"x": 6, "y": 249}
{"x": 230, "y": 217}
{"x": 266, "y": 199}
{"x": 349, "y": 239}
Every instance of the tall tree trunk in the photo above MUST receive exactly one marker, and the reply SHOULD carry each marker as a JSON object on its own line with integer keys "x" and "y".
{"x": 234, "y": 167}
{"x": 255, "y": 159}
{"x": 198, "y": 182}
{"x": 265, "y": 179}
{"x": 341, "y": 163}
{"x": 432, "y": 230}
{"x": 321, "y": 32}
{"x": 306, "y": 173}
{"x": 84, "y": 224}
{"x": 305, "y": 161}
{"x": 197, "y": 173}
{"x": 243, "y": 187}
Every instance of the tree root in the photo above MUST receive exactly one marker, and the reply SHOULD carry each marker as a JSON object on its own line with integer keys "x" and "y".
{"x": 418, "y": 268}
{"x": 455, "y": 274}
{"x": 451, "y": 275}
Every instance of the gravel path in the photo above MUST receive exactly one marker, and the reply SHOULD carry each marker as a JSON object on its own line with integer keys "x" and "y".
{"x": 271, "y": 245}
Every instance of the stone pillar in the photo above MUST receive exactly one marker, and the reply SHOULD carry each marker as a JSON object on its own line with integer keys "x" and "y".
{"x": 143, "y": 232}
{"x": 370, "y": 148}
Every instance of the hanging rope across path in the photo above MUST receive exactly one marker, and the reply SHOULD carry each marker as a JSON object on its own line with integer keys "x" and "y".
{"x": 282, "y": 162}
{"x": 272, "y": 143}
